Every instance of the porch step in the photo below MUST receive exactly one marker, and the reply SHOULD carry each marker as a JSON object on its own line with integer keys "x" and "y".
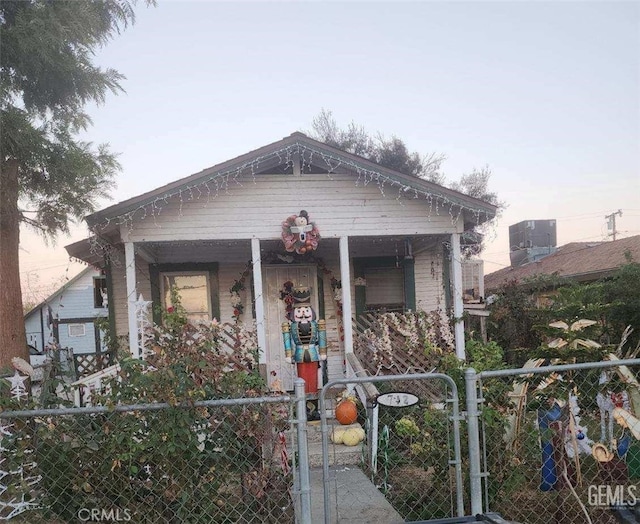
{"x": 338, "y": 454}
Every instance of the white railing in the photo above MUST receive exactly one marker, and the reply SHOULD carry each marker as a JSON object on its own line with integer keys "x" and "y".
{"x": 86, "y": 386}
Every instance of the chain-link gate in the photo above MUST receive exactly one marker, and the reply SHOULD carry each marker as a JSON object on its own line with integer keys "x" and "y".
{"x": 556, "y": 444}
{"x": 213, "y": 461}
{"x": 409, "y": 465}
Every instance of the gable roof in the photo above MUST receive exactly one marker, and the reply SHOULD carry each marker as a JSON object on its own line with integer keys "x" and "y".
{"x": 581, "y": 261}
{"x": 311, "y": 151}
{"x": 60, "y": 290}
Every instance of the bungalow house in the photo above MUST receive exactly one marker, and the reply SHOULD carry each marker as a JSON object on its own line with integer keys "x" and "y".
{"x": 577, "y": 262}
{"x": 230, "y": 238}
{"x": 68, "y": 316}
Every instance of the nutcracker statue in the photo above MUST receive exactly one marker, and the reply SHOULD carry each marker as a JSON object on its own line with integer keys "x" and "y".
{"x": 305, "y": 340}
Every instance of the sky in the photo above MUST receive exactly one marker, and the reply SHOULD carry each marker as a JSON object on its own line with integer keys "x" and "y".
{"x": 547, "y": 94}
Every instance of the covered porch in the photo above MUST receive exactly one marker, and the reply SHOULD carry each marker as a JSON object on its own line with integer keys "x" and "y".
{"x": 242, "y": 281}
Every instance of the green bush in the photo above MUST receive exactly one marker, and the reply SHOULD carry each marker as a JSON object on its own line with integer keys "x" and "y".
{"x": 177, "y": 464}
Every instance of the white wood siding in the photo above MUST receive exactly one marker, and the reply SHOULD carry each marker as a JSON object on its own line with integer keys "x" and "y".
{"x": 257, "y": 209}
{"x": 227, "y": 275}
{"x": 335, "y": 347}
{"x": 429, "y": 284}
{"x": 119, "y": 300}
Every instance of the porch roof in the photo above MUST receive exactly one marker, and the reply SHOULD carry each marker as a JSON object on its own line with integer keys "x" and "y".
{"x": 326, "y": 157}
{"x": 92, "y": 250}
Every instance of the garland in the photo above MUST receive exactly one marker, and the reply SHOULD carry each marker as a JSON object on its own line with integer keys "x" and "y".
{"x": 286, "y": 294}
{"x": 237, "y": 287}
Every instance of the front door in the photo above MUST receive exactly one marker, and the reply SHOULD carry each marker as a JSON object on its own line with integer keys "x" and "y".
{"x": 274, "y": 278}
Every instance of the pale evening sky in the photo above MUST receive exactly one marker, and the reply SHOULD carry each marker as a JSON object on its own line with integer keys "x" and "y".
{"x": 545, "y": 93}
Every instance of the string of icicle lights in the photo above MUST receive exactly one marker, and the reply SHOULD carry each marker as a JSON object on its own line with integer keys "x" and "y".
{"x": 212, "y": 185}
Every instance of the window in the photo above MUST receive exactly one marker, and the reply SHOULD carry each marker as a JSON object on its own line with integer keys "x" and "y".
{"x": 384, "y": 284}
{"x": 100, "y": 292}
{"x": 76, "y": 330}
{"x": 384, "y": 289}
{"x": 194, "y": 290}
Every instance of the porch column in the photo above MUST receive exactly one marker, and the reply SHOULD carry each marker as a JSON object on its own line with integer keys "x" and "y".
{"x": 345, "y": 278}
{"x": 130, "y": 266}
{"x": 458, "y": 306}
{"x": 259, "y": 304}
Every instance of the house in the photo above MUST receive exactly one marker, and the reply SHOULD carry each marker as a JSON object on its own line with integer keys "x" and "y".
{"x": 217, "y": 237}
{"x": 67, "y": 317}
{"x": 577, "y": 261}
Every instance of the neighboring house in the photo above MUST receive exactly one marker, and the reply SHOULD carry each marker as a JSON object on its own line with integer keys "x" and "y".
{"x": 395, "y": 239}
{"x": 577, "y": 261}
{"x": 68, "y": 315}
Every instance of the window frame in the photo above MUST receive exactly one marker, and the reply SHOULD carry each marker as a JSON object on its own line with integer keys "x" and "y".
{"x": 360, "y": 265}
{"x": 155, "y": 271}
{"x": 100, "y": 283}
{"x": 387, "y": 307}
{"x": 75, "y": 325}
{"x": 163, "y": 291}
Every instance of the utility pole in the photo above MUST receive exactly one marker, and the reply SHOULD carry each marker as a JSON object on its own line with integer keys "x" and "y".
{"x": 611, "y": 222}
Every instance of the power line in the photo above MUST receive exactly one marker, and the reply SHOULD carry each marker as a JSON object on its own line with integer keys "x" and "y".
{"x": 36, "y": 269}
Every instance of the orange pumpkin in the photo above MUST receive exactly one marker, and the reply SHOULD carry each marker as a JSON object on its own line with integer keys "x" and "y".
{"x": 346, "y": 412}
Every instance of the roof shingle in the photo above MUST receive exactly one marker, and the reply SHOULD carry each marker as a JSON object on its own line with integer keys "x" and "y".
{"x": 584, "y": 261}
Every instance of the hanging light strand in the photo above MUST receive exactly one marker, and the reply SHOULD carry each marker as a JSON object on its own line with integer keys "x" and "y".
{"x": 215, "y": 183}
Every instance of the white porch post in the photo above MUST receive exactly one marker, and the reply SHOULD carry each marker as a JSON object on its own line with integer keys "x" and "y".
{"x": 130, "y": 265}
{"x": 345, "y": 278}
{"x": 458, "y": 307}
{"x": 257, "y": 289}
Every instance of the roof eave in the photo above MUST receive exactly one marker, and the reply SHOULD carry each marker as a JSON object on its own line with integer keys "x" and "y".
{"x": 130, "y": 205}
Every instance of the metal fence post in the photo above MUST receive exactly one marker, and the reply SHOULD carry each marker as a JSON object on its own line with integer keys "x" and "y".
{"x": 475, "y": 476}
{"x": 303, "y": 451}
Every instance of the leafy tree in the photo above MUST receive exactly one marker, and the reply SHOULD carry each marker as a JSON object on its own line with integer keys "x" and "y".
{"x": 49, "y": 176}
{"x": 476, "y": 184}
{"x": 622, "y": 293}
{"x": 514, "y": 317}
{"x": 394, "y": 154}
{"x": 522, "y": 311}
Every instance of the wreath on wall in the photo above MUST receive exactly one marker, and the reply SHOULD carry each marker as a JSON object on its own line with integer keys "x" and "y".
{"x": 299, "y": 234}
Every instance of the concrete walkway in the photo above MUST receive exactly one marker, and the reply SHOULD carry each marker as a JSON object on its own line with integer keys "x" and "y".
{"x": 354, "y": 499}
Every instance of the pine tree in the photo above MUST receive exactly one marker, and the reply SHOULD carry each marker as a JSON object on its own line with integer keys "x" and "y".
{"x": 48, "y": 177}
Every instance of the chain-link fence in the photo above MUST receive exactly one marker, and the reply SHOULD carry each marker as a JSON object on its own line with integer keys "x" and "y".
{"x": 214, "y": 461}
{"x": 543, "y": 444}
{"x": 558, "y": 444}
{"x": 409, "y": 465}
